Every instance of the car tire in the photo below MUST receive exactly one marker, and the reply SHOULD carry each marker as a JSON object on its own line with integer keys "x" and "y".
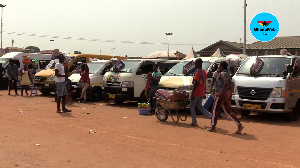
{"x": 244, "y": 113}
{"x": 293, "y": 116}
{"x": 95, "y": 94}
{"x": 119, "y": 102}
{"x": 45, "y": 92}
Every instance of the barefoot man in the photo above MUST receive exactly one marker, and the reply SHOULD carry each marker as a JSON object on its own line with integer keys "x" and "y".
{"x": 223, "y": 98}
{"x": 61, "y": 90}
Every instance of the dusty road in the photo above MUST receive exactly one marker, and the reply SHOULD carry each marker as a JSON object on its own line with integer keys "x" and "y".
{"x": 126, "y": 139}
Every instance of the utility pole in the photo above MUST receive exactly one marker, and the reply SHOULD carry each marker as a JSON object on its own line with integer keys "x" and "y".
{"x": 244, "y": 48}
{"x": 112, "y": 51}
{"x": 2, "y": 6}
{"x": 169, "y": 34}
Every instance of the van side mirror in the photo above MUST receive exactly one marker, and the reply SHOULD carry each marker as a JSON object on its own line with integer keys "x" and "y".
{"x": 289, "y": 69}
{"x": 139, "y": 72}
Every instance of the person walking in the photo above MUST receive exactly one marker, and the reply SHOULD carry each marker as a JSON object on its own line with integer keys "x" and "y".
{"x": 12, "y": 71}
{"x": 26, "y": 79}
{"x": 2, "y": 72}
{"x": 61, "y": 90}
{"x": 85, "y": 82}
{"x": 198, "y": 92}
{"x": 213, "y": 86}
{"x": 223, "y": 98}
{"x": 154, "y": 85}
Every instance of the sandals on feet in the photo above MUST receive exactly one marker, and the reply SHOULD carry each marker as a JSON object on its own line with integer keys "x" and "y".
{"x": 194, "y": 125}
{"x": 67, "y": 110}
{"x": 240, "y": 129}
{"x": 59, "y": 111}
{"x": 211, "y": 130}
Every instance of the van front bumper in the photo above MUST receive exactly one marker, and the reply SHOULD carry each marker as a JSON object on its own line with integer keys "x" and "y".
{"x": 271, "y": 105}
{"x": 45, "y": 86}
{"x": 117, "y": 93}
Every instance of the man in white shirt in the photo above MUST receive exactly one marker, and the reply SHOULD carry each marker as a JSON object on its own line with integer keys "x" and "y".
{"x": 61, "y": 90}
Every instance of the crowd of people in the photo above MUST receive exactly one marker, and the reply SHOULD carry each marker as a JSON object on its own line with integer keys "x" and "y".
{"x": 223, "y": 91}
{"x": 221, "y": 83}
{"x": 61, "y": 80}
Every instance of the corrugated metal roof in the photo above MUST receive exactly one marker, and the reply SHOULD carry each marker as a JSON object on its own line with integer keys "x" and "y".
{"x": 277, "y": 43}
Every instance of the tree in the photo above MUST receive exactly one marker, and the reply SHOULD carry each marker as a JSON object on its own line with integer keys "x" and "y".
{"x": 33, "y": 49}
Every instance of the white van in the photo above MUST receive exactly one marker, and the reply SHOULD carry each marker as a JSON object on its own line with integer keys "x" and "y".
{"x": 276, "y": 89}
{"x": 129, "y": 84}
{"x": 97, "y": 69}
{"x": 175, "y": 79}
{"x": 42, "y": 60}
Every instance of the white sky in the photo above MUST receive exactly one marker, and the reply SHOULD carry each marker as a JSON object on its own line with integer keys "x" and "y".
{"x": 191, "y": 22}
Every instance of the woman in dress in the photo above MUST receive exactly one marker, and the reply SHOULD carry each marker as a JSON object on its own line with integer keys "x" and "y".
{"x": 26, "y": 79}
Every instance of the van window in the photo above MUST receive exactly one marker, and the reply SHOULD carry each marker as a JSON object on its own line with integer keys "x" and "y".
{"x": 95, "y": 67}
{"x": 147, "y": 67}
{"x": 164, "y": 67}
{"x": 43, "y": 63}
{"x": 4, "y": 61}
{"x": 177, "y": 69}
{"x": 76, "y": 64}
{"x": 106, "y": 69}
{"x": 17, "y": 62}
{"x": 297, "y": 68}
{"x": 130, "y": 66}
{"x": 272, "y": 66}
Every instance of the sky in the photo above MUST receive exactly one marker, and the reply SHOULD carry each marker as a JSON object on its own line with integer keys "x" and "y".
{"x": 194, "y": 23}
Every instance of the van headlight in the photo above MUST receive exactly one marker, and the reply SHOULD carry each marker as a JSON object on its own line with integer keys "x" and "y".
{"x": 235, "y": 90}
{"x": 278, "y": 92}
{"x": 127, "y": 84}
{"x": 184, "y": 88}
{"x": 51, "y": 78}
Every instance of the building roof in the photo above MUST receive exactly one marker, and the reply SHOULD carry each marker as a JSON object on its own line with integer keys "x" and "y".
{"x": 235, "y": 45}
{"x": 277, "y": 43}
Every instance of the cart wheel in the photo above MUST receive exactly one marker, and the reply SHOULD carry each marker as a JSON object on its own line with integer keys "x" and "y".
{"x": 162, "y": 114}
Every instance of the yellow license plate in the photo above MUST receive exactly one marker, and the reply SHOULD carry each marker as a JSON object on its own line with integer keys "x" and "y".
{"x": 112, "y": 96}
{"x": 252, "y": 106}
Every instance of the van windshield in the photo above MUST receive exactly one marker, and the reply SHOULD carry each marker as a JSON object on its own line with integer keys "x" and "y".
{"x": 4, "y": 61}
{"x": 176, "y": 70}
{"x": 95, "y": 67}
{"x": 130, "y": 66}
{"x": 272, "y": 66}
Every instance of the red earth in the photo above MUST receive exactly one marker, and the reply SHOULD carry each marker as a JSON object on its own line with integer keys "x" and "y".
{"x": 39, "y": 137}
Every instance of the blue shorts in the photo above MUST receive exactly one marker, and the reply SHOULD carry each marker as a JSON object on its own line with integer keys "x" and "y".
{"x": 61, "y": 89}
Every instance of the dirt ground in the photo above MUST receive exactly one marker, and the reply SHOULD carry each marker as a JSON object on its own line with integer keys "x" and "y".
{"x": 40, "y": 137}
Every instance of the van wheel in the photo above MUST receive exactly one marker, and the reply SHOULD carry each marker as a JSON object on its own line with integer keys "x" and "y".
{"x": 95, "y": 94}
{"x": 118, "y": 102}
{"x": 293, "y": 116}
{"x": 142, "y": 98}
{"x": 45, "y": 92}
{"x": 244, "y": 113}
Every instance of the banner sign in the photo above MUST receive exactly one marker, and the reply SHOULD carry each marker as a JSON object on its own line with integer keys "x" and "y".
{"x": 189, "y": 67}
{"x": 119, "y": 65}
{"x": 256, "y": 67}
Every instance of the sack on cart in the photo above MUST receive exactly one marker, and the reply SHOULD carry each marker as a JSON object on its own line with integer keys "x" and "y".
{"x": 162, "y": 94}
{"x": 179, "y": 96}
